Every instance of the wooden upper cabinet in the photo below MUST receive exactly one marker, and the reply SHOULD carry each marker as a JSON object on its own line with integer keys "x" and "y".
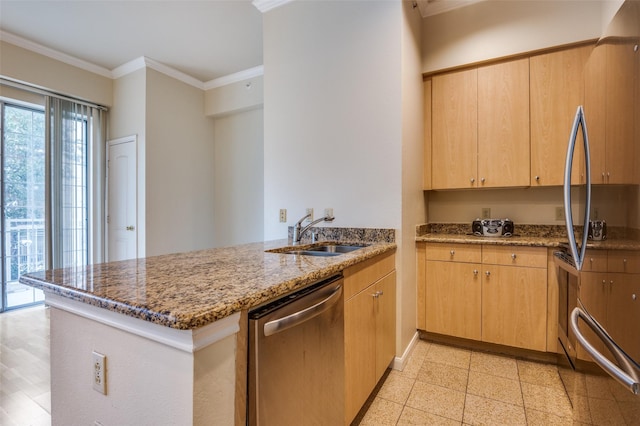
{"x": 454, "y": 130}
{"x": 556, "y": 90}
{"x": 503, "y": 124}
{"x": 426, "y": 177}
{"x": 611, "y": 75}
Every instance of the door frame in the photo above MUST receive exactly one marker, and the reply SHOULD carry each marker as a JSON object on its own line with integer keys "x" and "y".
{"x": 110, "y": 143}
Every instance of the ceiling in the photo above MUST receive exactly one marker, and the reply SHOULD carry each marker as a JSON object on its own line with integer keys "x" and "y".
{"x": 204, "y": 39}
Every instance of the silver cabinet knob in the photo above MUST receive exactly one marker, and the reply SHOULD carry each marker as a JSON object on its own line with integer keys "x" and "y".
{"x": 633, "y": 296}
{"x": 482, "y": 180}
{"x": 513, "y": 256}
{"x": 475, "y": 272}
{"x": 130, "y": 228}
{"x": 487, "y": 273}
{"x": 452, "y": 252}
{"x": 472, "y": 180}
{"x": 537, "y": 178}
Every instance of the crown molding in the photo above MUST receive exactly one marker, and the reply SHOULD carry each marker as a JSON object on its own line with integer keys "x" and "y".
{"x": 235, "y": 77}
{"x": 144, "y": 62}
{"x": 266, "y": 5}
{"x": 54, "y": 54}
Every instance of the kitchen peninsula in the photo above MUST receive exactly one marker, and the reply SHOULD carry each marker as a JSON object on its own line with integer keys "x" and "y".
{"x": 172, "y": 329}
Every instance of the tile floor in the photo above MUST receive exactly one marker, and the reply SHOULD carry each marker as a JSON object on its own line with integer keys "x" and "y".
{"x": 443, "y": 385}
{"x": 440, "y": 385}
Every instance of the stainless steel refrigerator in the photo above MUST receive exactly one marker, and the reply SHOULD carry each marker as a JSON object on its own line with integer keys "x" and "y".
{"x": 599, "y": 269}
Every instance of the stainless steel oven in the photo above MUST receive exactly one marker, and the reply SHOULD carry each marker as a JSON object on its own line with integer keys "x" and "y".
{"x": 296, "y": 358}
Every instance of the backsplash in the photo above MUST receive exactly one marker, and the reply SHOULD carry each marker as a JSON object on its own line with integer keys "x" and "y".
{"x": 542, "y": 231}
{"x": 360, "y": 235}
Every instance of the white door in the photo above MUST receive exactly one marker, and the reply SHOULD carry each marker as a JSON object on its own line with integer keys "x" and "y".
{"x": 122, "y": 194}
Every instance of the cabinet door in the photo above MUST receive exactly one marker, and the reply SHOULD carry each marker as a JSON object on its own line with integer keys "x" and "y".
{"x": 514, "y": 306}
{"x": 385, "y": 305}
{"x": 455, "y": 130}
{"x": 557, "y": 88}
{"x": 360, "y": 350}
{"x": 503, "y": 124}
{"x": 623, "y": 312}
{"x": 426, "y": 176}
{"x": 594, "y": 109}
{"x": 453, "y": 292}
{"x": 621, "y": 76}
{"x": 593, "y": 293}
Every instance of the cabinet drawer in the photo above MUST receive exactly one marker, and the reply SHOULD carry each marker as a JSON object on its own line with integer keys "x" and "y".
{"x": 534, "y": 257}
{"x": 595, "y": 261}
{"x": 470, "y": 253}
{"x": 623, "y": 261}
{"x": 362, "y": 275}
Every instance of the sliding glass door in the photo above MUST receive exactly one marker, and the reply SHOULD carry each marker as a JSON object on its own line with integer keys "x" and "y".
{"x": 23, "y": 202}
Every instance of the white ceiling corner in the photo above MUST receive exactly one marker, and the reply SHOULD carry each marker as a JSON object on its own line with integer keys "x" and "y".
{"x": 266, "y": 5}
{"x": 435, "y": 7}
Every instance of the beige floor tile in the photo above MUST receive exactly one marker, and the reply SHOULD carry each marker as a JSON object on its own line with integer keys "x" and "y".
{"x": 540, "y": 418}
{"x": 549, "y": 400}
{"x": 539, "y": 374}
{"x": 630, "y": 411}
{"x": 581, "y": 411}
{"x": 414, "y": 363}
{"x": 598, "y": 387}
{"x": 495, "y": 365}
{"x": 605, "y": 412}
{"x": 437, "y": 400}
{"x": 382, "y": 413}
{"x": 448, "y": 355}
{"x": 485, "y": 411}
{"x": 396, "y": 388}
{"x": 498, "y": 388}
{"x": 444, "y": 375}
{"x": 412, "y": 416}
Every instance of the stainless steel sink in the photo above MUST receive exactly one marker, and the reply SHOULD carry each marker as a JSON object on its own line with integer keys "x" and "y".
{"x": 325, "y": 250}
{"x": 336, "y": 248}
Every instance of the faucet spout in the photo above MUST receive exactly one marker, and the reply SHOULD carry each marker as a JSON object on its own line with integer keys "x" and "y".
{"x": 298, "y": 230}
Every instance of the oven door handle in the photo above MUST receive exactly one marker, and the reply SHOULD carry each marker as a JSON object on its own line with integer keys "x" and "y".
{"x": 284, "y": 323}
{"x": 629, "y": 374}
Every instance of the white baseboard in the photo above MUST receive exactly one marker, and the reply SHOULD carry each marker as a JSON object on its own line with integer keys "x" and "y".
{"x": 400, "y": 362}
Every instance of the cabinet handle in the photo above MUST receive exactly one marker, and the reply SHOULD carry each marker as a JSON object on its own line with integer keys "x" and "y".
{"x": 472, "y": 180}
{"x": 482, "y": 180}
{"x": 475, "y": 272}
{"x": 633, "y": 296}
{"x": 537, "y": 178}
{"x": 377, "y": 294}
{"x": 452, "y": 252}
{"x": 513, "y": 256}
{"x": 487, "y": 273}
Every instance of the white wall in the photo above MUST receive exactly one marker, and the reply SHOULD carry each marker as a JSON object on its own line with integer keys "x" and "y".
{"x": 493, "y": 29}
{"x": 238, "y": 180}
{"x": 332, "y": 113}
{"x": 127, "y": 117}
{"x": 413, "y": 202}
{"x": 179, "y": 167}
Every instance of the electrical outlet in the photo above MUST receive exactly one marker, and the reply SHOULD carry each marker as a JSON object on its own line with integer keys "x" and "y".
{"x": 560, "y": 213}
{"x": 486, "y": 213}
{"x": 99, "y": 363}
{"x": 283, "y": 215}
{"x": 328, "y": 212}
{"x": 309, "y": 211}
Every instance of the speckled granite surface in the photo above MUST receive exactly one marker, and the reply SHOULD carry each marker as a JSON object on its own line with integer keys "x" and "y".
{"x": 190, "y": 290}
{"x": 525, "y": 235}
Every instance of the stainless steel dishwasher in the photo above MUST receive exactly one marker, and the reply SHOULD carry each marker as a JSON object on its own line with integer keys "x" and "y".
{"x": 296, "y": 358}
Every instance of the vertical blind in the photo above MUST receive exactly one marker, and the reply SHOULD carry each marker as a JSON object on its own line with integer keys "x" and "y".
{"x": 75, "y": 157}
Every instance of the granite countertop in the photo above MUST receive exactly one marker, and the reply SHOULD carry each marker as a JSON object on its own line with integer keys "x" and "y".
{"x": 189, "y": 290}
{"x": 524, "y": 235}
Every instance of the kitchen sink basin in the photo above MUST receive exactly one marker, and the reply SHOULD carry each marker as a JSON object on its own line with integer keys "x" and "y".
{"x": 324, "y": 250}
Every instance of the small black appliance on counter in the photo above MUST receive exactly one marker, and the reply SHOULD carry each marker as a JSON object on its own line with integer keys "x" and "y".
{"x": 492, "y": 227}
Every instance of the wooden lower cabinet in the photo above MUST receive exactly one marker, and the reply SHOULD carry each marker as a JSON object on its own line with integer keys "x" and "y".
{"x": 453, "y": 299}
{"x": 494, "y": 294}
{"x": 369, "y": 332}
{"x": 514, "y": 306}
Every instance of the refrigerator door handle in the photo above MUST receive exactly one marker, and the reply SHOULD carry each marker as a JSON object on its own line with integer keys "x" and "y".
{"x": 629, "y": 374}
{"x": 578, "y": 121}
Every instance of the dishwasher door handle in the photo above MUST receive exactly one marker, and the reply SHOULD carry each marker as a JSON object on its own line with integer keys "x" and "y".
{"x": 281, "y": 324}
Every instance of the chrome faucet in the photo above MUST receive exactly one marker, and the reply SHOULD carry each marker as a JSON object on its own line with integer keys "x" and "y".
{"x": 298, "y": 230}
